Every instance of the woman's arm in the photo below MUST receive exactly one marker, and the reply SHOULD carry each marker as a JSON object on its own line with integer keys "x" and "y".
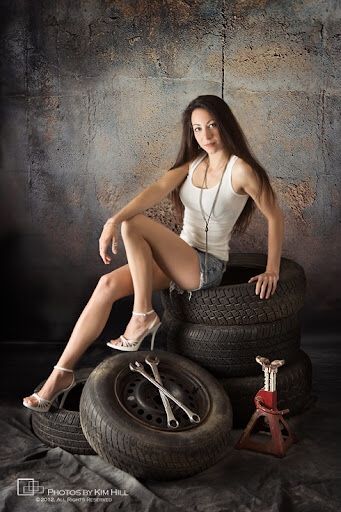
{"x": 247, "y": 180}
{"x": 275, "y": 239}
{"x": 149, "y": 197}
{"x": 152, "y": 195}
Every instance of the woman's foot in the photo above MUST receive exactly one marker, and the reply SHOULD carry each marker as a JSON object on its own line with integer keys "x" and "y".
{"x": 57, "y": 381}
{"x": 137, "y": 326}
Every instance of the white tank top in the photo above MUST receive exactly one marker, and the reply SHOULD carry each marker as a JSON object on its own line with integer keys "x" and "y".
{"x": 228, "y": 207}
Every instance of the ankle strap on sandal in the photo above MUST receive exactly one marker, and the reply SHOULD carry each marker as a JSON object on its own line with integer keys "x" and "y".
{"x": 144, "y": 314}
{"x": 61, "y": 368}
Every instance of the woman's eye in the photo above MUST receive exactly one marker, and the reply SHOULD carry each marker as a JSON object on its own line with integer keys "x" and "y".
{"x": 214, "y": 125}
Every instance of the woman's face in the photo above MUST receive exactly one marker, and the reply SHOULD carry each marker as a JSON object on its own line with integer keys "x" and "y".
{"x": 206, "y": 130}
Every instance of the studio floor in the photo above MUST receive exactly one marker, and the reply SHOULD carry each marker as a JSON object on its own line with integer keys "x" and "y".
{"x": 307, "y": 479}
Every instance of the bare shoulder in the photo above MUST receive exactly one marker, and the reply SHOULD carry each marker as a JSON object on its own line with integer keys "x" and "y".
{"x": 183, "y": 167}
{"x": 181, "y": 170}
{"x": 243, "y": 176}
{"x": 173, "y": 177}
{"x": 242, "y": 169}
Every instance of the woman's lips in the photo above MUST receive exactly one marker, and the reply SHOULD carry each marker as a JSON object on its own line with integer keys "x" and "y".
{"x": 209, "y": 145}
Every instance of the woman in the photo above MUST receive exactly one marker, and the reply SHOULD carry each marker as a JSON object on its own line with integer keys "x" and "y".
{"x": 217, "y": 183}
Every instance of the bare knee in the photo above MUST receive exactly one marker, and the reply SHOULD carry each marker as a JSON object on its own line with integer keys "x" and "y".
{"x": 129, "y": 225}
{"x": 106, "y": 285}
{"x": 115, "y": 285}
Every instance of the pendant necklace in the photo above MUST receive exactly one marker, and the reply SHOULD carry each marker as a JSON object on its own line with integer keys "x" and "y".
{"x": 213, "y": 205}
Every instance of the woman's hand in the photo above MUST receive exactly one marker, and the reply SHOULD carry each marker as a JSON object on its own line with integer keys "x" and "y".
{"x": 108, "y": 239}
{"x": 266, "y": 283}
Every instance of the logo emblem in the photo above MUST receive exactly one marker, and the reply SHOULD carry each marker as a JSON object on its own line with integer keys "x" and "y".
{"x": 28, "y": 487}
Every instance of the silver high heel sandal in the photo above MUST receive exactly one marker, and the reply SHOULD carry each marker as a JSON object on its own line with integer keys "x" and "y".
{"x": 133, "y": 345}
{"x": 44, "y": 404}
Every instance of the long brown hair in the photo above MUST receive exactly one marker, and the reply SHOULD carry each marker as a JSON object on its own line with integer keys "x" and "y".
{"x": 234, "y": 141}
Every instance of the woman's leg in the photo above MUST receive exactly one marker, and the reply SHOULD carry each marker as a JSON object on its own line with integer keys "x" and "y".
{"x": 111, "y": 287}
{"x": 146, "y": 241}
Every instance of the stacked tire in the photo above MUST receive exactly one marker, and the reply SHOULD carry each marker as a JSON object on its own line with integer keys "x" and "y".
{"x": 124, "y": 421}
{"x": 118, "y": 414}
{"x": 61, "y": 426}
{"x": 224, "y": 328}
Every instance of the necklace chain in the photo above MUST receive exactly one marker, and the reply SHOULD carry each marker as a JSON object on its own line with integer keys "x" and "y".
{"x": 213, "y": 205}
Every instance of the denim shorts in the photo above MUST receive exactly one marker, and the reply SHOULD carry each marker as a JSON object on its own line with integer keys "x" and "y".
{"x": 215, "y": 271}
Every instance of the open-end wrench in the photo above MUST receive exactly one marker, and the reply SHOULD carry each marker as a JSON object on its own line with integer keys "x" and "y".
{"x": 153, "y": 361}
{"x": 138, "y": 367}
{"x": 266, "y": 368}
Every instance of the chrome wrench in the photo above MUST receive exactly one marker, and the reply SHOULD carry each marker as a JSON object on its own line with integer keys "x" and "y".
{"x": 138, "y": 367}
{"x": 172, "y": 422}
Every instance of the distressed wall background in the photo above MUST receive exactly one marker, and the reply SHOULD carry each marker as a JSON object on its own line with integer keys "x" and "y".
{"x": 92, "y": 95}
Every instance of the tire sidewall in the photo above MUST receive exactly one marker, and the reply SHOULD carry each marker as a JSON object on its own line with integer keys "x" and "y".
{"x": 231, "y": 350}
{"x": 62, "y": 427}
{"x": 237, "y": 304}
{"x": 101, "y": 385}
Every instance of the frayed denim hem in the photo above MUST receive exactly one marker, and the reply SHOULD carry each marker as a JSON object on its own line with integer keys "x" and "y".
{"x": 215, "y": 271}
{"x": 174, "y": 287}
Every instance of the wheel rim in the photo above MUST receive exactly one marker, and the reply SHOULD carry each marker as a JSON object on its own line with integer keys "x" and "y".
{"x": 141, "y": 399}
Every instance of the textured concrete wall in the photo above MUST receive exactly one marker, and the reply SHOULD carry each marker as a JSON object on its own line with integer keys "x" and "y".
{"x": 92, "y": 97}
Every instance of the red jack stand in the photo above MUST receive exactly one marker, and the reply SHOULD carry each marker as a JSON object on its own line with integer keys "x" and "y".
{"x": 266, "y": 409}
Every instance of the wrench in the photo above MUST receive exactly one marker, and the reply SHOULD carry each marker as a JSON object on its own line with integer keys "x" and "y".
{"x": 172, "y": 422}
{"x": 138, "y": 367}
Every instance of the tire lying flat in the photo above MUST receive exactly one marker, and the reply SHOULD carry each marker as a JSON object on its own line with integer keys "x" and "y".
{"x": 228, "y": 351}
{"x": 234, "y": 302}
{"x": 294, "y": 382}
{"x": 61, "y": 427}
{"x": 131, "y": 439}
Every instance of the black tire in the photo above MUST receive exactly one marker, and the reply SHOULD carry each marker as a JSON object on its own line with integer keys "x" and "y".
{"x": 294, "y": 382}
{"x": 126, "y": 440}
{"x": 234, "y": 302}
{"x": 61, "y": 427}
{"x": 230, "y": 351}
